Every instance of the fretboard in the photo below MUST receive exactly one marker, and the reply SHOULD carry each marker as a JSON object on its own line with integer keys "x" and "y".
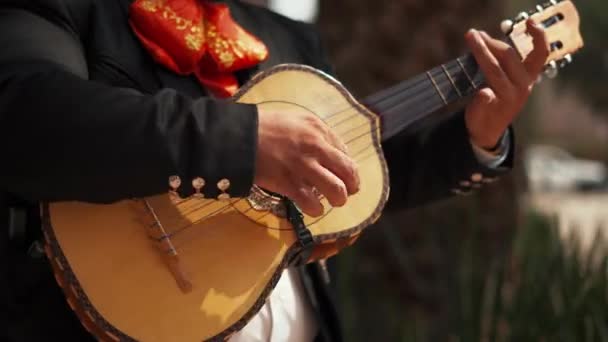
{"x": 426, "y": 96}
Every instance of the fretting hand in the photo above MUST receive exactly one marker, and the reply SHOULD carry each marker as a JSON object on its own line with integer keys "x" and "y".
{"x": 510, "y": 82}
{"x": 297, "y": 153}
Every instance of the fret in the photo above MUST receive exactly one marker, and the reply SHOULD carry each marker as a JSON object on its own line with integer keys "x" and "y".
{"x": 450, "y": 90}
{"x": 464, "y": 70}
{"x": 437, "y": 87}
{"x": 447, "y": 73}
{"x": 457, "y": 81}
{"x": 425, "y": 97}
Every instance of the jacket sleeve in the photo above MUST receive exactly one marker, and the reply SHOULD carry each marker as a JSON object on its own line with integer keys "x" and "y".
{"x": 434, "y": 162}
{"x": 64, "y": 137}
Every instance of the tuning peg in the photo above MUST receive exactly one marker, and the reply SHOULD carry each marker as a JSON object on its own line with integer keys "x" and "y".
{"x": 539, "y": 79}
{"x": 506, "y": 26}
{"x": 551, "y": 73}
{"x": 565, "y": 61}
{"x": 550, "y": 3}
{"x": 522, "y": 16}
{"x": 551, "y": 70}
{"x": 539, "y": 8}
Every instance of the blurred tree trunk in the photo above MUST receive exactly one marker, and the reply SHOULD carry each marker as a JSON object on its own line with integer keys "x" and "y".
{"x": 426, "y": 267}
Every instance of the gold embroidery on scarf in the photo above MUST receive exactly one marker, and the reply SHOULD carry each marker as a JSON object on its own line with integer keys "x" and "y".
{"x": 194, "y": 40}
{"x": 180, "y": 23}
{"x": 227, "y": 58}
{"x": 226, "y": 49}
{"x": 150, "y": 5}
{"x": 229, "y": 50}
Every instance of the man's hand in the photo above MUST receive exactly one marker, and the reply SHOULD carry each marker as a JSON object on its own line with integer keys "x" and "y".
{"x": 509, "y": 81}
{"x": 298, "y": 153}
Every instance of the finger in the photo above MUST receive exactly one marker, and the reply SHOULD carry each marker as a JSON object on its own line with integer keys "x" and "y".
{"x": 495, "y": 76}
{"x": 327, "y": 184}
{"x": 536, "y": 60}
{"x": 305, "y": 199}
{"x": 335, "y": 141}
{"x": 483, "y": 98}
{"x": 328, "y": 135}
{"x": 342, "y": 166}
{"x": 481, "y": 104}
{"x": 510, "y": 61}
{"x": 485, "y": 130}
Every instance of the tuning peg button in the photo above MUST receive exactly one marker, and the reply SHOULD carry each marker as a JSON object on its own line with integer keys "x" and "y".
{"x": 551, "y": 70}
{"x": 551, "y": 73}
{"x": 522, "y": 16}
{"x": 506, "y": 26}
{"x": 565, "y": 61}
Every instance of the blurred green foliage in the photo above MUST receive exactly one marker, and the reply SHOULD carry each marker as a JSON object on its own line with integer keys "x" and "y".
{"x": 560, "y": 285}
{"x": 548, "y": 289}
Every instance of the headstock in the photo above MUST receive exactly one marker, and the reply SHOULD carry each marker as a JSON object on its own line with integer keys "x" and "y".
{"x": 561, "y": 22}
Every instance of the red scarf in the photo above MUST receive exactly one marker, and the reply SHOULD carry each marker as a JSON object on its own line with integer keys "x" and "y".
{"x": 197, "y": 37}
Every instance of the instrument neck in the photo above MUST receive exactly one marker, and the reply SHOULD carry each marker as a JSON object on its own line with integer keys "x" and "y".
{"x": 426, "y": 96}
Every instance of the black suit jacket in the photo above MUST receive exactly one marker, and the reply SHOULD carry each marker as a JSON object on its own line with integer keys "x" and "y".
{"x": 86, "y": 114}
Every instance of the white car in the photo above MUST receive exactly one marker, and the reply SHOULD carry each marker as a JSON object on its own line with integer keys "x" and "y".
{"x": 549, "y": 168}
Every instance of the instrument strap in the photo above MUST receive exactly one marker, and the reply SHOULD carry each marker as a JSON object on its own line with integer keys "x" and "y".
{"x": 295, "y": 217}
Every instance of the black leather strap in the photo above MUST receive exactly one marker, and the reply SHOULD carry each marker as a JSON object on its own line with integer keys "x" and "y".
{"x": 303, "y": 234}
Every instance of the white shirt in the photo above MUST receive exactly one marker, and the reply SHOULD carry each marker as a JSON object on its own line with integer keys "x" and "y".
{"x": 286, "y": 316}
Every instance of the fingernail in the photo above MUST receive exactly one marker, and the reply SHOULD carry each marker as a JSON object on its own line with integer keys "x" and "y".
{"x": 478, "y": 37}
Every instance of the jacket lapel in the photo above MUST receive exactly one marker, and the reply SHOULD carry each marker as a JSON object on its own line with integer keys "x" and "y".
{"x": 139, "y": 63}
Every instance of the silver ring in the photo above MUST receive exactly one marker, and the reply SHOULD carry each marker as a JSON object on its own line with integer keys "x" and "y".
{"x": 316, "y": 192}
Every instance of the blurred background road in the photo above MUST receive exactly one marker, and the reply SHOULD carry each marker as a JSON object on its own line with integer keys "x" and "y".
{"x": 582, "y": 214}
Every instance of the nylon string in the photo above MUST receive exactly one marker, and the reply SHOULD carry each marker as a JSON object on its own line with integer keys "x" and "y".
{"x": 419, "y": 90}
